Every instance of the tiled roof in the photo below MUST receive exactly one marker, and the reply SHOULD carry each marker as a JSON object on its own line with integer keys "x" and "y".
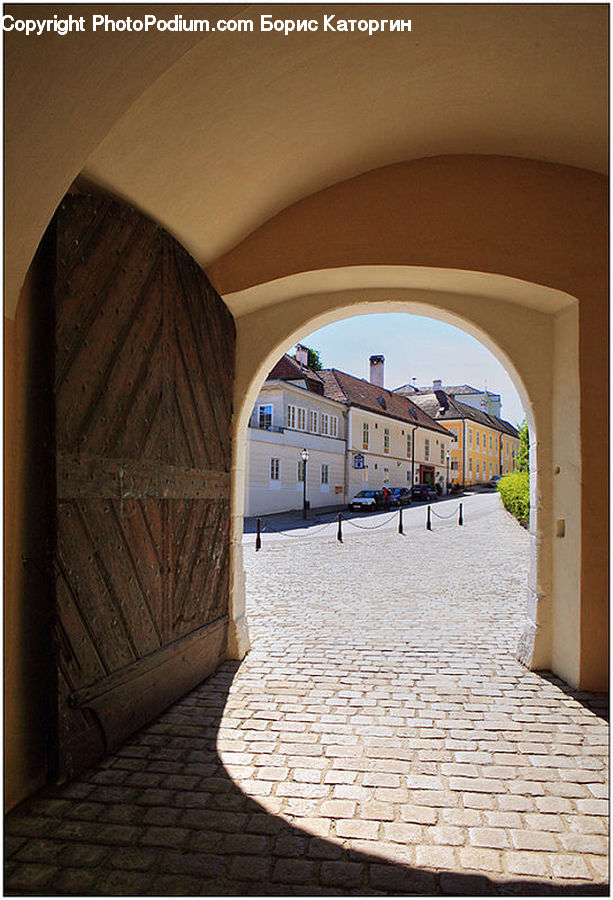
{"x": 441, "y": 405}
{"x": 289, "y": 369}
{"x": 452, "y": 389}
{"x": 357, "y": 392}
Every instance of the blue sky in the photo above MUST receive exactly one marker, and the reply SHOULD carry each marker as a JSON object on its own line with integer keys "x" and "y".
{"x": 414, "y": 346}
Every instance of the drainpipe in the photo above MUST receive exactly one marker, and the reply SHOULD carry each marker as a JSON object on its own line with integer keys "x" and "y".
{"x": 463, "y": 452}
{"x": 348, "y": 452}
{"x": 413, "y": 456}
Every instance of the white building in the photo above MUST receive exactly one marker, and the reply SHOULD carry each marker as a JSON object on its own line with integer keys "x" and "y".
{"x": 391, "y": 442}
{"x": 291, "y": 414}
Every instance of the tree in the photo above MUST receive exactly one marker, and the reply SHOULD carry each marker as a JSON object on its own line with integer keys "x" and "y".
{"x": 313, "y": 360}
{"x": 523, "y": 454}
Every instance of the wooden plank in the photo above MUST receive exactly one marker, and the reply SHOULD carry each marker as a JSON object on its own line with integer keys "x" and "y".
{"x": 144, "y": 364}
{"x": 187, "y": 646}
{"x": 103, "y": 477}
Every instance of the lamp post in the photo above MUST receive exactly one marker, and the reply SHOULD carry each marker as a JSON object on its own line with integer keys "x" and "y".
{"x": 304, "y": 456}
{"x": 447, "y": 458}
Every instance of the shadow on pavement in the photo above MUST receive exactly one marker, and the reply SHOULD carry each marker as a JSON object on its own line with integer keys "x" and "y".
{"x": 162, "y": 816}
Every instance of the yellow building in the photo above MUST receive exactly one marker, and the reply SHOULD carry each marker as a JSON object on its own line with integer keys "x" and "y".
{"x": 485, "y": 445}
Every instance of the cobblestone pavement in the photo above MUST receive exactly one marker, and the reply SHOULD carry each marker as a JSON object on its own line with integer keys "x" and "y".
{"x": 380, "y": 738}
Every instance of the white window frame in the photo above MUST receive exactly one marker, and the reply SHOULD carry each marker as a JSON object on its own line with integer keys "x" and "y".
{"x": 427, "y": 448}
{"x": 313, "y": 420}
{"x": 263, "y": 406}
{"x": 409, "y": 443}
{"x": 442, "y": 453}
{"x": 324, "y": 426}
{"x": 275, "y": 468}
{"x": 333, "y": 426}
{"x": 365, "y": 435}
{"x": 290, "y": 419}
{"x": 325, "y": 473}
{"x": 470, "y": 438}
{"x": 386, "y": 440}
{"x": 301, "y": 418}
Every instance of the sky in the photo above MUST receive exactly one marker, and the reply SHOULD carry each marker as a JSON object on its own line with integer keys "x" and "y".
{"x": 414, "y": 347}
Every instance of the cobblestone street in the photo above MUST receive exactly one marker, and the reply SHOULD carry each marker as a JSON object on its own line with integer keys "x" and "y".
{"x": 380, "y": 738}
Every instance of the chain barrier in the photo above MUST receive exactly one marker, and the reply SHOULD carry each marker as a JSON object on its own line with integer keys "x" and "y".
{"x": 450, "y": 514}
{"x": 370, "y": 527}
{"x": 319, "y": 529}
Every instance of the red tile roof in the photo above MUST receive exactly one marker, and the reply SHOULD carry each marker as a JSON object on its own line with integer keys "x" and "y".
{"x": 289, "y": 369}
{"x": 360, "y": 393}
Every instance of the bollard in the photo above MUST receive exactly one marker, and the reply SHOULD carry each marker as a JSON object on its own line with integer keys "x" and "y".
{"x": 258, "y": 539}
{"x": 400, "y": 528}
{"x": 339, "y": 533}
{"x": 460, "y": 519}
{"x": 428, "y": 521}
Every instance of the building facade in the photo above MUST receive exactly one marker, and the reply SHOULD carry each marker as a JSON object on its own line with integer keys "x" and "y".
{"x": 358, "y": 435}
{"x": 484, "y": 445}
{"x": 391, "y": 442}
{"x": 292, "y": 414}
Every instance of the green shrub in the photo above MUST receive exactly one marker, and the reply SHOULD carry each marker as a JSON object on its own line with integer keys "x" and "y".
{"x": 514, "y": 490}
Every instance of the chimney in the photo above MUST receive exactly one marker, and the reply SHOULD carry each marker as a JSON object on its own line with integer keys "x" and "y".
{"x": 437, "y": 384}
{"x": 376, "y": 370}
{"x": 302, "y": 355}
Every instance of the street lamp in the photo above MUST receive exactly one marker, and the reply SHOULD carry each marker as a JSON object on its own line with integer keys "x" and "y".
{"x": 447, "y": 458}
{"x": 305, "y": 458}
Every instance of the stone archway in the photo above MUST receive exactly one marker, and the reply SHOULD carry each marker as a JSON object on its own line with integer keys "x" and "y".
{"x": 531, "y": 329}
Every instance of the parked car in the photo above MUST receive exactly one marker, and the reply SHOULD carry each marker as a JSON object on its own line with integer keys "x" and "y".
{"x": 423, "y": 492}
{"x": 400, "y": 497}
{"x": 368, "y": 500}
{"x": 493, "y": 482}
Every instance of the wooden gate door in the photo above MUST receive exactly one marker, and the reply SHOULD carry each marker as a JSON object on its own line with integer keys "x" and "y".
{"x": 143, "y": 387}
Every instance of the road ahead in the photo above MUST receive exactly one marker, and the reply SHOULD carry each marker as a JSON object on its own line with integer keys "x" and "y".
{"x": 444, "y": 513}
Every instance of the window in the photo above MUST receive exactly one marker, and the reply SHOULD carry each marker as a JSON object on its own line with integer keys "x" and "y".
{"x": 470, "y": 464}
{"x": 301, "y": 418}
{"x": 301, "y": 470}
{"x": 408, "y": 444}
{"x": 365, "y": 433}
{"x": 490, "y": 468}
{"x": 333, "y": 426}
{"x": 313, "y": 420}
{"x": 325, "y": 423}
{"x": 386, "y": 475}
{"x": 442, "y": 453}
{"x": 454, "y": 465}
{"x": 470, "y": 437}
{"x": 386, "y": 440}
{"x": 490, "y": 443}
{"x": 478, "y": 467}
{"x": 275, "y": 469}
{"x": 290, "y": 420}
{"x": 427, "y": 448}
{"x": 477, "y": 436}
{"x": 325, "y": 473}
{"x": 265, "y": 416}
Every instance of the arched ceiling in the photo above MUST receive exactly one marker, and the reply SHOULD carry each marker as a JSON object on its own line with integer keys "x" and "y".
{"x": 212, "y": 135}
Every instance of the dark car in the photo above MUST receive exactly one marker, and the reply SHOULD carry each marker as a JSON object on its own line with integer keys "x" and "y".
{"x": 400, "y": 497}
{"x": 369, "y": 500}
{"x": 423, "y": 492}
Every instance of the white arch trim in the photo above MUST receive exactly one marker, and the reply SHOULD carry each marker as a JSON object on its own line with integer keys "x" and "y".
{"x": 531, "y": 329}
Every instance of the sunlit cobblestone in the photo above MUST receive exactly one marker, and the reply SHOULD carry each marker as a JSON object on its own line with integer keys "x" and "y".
{"x": 380, "y": 738}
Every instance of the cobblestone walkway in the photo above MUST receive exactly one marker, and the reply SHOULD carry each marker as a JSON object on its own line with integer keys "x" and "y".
{"x": 380, "y": 738}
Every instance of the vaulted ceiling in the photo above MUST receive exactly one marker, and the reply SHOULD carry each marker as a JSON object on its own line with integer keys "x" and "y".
{"x": 213, "y": 134}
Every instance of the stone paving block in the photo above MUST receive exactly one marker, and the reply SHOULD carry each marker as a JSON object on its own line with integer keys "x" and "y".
{"x": 436, "y": 857}
{"x": 566, "y": 865}
{"x": 202, "y": 865}
{"x": 357, "y": 828}
{"x": 480, "y": 858}
{"x": 343, "y": 874}
{"x": 134, "y": 884}
{"x": 398, "y": 880}
{"x": 488, "y": 837}
{"x": 527, "y": 863}
{"x": 164, "y": 837}
{"x": 30, "y": 878}
{"x": 294, "y": 871}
